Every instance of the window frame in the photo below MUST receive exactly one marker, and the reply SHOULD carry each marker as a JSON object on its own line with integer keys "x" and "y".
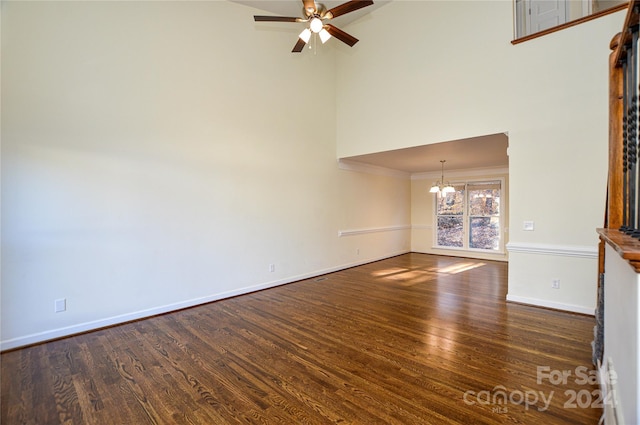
{"x": 466, "y": 217}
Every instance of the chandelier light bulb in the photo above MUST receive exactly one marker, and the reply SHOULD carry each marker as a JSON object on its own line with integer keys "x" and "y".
{"x": 316, "y": 25}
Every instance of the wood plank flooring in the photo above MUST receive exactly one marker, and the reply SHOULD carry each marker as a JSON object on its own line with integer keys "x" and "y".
{"x": 415, "y": 339}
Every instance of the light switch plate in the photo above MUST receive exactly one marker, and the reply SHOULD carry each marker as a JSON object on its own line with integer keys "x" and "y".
{"x": 60, "y": 305}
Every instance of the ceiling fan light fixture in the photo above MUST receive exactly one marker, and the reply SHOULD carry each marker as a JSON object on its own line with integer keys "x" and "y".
{"x": 324, "y": 35}
{"x": 314, "y": 15}
{"x": 316, "y": 25}
{"x": 305, "y": 35}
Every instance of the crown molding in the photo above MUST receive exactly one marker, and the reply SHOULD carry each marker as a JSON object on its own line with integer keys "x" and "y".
{"x": 450, "y": 174}
{"x": 361, "y": 167}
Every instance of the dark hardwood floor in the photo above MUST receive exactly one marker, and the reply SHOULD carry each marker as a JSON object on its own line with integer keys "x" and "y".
{"x": 415, "y": 339}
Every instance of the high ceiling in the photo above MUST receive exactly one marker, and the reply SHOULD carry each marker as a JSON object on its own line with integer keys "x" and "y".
{"x": 473, "y": 153}
{"x": 294, "y": 8}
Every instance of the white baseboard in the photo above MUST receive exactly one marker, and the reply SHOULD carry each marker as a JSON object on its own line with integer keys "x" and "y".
{"x": 551, "y": 304}
{"x": 141, "y": 314}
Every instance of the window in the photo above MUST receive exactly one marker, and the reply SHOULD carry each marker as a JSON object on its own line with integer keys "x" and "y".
{"x": 450, "y": 217}
{"x": 469, "y": 218}
{"x": 484, "y": 215}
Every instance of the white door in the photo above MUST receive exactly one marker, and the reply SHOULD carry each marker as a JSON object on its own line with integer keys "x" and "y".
{"x": 544, "y": 14}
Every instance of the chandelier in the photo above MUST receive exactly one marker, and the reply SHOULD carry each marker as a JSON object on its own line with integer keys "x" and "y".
{"x": 441, "y": 187}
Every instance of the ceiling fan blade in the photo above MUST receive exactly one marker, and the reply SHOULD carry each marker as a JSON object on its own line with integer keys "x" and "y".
{"x": 299, "y": 46}
{"x": 259, "y": 18}
{"x": 309, "y": 7}
{"x": 347, "y": 7}
{"x": 341, "y": 35}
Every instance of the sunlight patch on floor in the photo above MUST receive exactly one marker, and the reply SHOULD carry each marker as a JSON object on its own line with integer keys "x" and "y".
{"x": 388, "y": 272}
{"x": 423, "y": 275}
{"x": 412, "y": 277}
{"x": 459, "y": 268}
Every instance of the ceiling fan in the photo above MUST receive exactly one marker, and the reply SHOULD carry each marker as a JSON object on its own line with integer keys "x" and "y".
{"x": 315, "y": 14}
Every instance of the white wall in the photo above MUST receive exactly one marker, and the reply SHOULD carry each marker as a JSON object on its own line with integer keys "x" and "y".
{"x": 160, "y": 154}
{"x": 157, "y": 155}
{"x": 426, "y": 72}
{"x": 622, "y": 332}
{"x": 426, "y": 81}
{"x": 563, "y": 140}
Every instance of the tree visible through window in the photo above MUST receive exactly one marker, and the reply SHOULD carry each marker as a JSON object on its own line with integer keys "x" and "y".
{"x": 484, "y": 215}
{"x": 469, "y": 218}
{"x": 451, "y": 218}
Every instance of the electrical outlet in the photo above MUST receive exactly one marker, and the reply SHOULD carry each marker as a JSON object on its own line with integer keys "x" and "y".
{"x": 272, "y": 268}
{"x": 528, "y": 226}
{"x": 555, "y": 283}
{"x": 357, "y": 251}
{"x": 60, "y": 305}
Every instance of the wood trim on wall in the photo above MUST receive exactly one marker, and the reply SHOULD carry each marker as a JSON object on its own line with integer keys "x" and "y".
{"x": 570, "y": 24}
{"x": 615, "y": 202}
